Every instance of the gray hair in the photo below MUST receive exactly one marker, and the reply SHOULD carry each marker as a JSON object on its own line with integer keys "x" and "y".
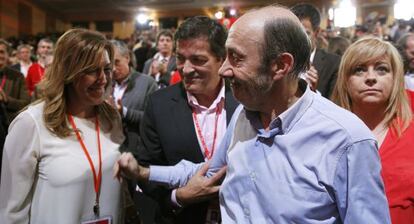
{"x": 122, "y": 47}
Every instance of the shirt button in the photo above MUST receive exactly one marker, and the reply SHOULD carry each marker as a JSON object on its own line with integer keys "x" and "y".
{"x": 246, "y": 211}
{"x": 253, "y": 175}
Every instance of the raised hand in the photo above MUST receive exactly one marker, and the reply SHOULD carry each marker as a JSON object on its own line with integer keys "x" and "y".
{"x": 128, "y": 166}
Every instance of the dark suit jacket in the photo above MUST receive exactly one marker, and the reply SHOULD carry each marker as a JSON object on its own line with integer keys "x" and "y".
{"x": 16, "y": 67}
{"x": 135, "y": 98}
{"x": 327, "y": 65}
{"x": 169, "y": 136}
{"x": 16, "y": 91}
{"x": 165, "y": 78}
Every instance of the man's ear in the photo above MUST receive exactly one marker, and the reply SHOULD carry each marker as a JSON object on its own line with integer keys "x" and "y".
{"x": 282, "y": 66}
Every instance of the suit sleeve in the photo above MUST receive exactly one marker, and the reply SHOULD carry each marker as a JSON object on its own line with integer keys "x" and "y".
{"x": 134, "y": 116}
{"x": 147, "y": 66}
{"x": 151, "y": 153}
{"x": 16, "y": 103}
{"x": 20, "y": 158}
{"x": 333, "y": 76}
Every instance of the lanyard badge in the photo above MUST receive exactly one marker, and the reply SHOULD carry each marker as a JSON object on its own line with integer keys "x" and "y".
{"x": 207, "y": 153}
{"x": 96, "y": 177}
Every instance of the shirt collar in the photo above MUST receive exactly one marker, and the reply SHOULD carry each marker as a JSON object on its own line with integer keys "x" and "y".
{"x": 286, "y": 120}
{"x": 158, "y": 56}
{"x": 312, "y": 56}
{"x": 295, "y": 112}
{"x": 123, "y": 83}
{"x": 192, "y": 100}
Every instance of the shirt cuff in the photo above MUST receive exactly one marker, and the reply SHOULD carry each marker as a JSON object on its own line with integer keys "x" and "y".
{"x": 160, "y": 174}
{"x": 174, "y": 199}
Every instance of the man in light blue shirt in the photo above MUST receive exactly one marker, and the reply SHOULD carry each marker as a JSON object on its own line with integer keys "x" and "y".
{"x": 291, "y": 155}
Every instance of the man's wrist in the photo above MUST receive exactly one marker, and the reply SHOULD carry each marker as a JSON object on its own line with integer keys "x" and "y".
{"x": 143, "y": 173}
{"x": 180, "y": 197}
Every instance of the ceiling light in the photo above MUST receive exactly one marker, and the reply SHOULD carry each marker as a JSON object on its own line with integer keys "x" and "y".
{"x": 142, "y": 18}
{"x": 219, "y": 15}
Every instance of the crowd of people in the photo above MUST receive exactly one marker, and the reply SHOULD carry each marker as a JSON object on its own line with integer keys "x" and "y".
{"x": 271, "y": 121}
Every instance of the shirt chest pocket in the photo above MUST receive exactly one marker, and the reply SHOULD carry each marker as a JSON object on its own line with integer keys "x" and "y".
{"x": 297, "y": 203}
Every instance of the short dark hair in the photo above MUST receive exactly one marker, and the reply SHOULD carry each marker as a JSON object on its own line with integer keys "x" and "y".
{"x": 166, "y": 33}
{"x": 402, "y": 42}
{"x": 308, "y": 11}
{"x": 202, "y": 26}
{"x": 401, "y": 45}
{"x": 285, "y": 35}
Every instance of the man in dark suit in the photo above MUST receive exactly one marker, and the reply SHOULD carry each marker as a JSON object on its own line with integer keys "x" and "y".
{"x": 324, "y": 66}
{"x": 163, "y": 63}
{"x": 188, "y": 120}
{"x": 130, "y": 95}
{"x": 13, "y": 91}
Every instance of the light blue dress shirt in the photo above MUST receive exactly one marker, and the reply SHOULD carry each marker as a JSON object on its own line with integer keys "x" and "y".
{"x": 318, "y": 164}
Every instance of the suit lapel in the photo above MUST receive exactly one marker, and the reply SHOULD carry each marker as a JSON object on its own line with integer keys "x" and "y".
{"x": 181, "y": 115}
{"x": 171, "y": 63}
{"x": 130, "y": 87}
{"x": 318, "y": 60}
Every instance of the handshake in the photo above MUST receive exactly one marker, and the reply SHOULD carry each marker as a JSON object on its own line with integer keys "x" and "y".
{"x": 198, "y": 188}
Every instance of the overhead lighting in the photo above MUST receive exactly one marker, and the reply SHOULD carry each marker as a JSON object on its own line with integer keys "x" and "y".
{"x": 142, "y": 18}
{"x": 403, "y": 10}
{"x": 345, "y": 14}
{"x": 331, "y": 14}
{"x": 219, "y": 15}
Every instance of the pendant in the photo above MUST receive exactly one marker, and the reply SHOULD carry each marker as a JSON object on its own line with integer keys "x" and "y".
{"x": 96, "y": 209}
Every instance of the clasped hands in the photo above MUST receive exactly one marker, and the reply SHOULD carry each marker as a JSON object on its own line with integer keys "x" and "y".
{"x": 198, "y": 188}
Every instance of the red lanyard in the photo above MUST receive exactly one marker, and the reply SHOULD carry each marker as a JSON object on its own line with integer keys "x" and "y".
{"x": 96, "y": 178}
{"x": 207, "y": 154}
{"x": 3, "y": 82}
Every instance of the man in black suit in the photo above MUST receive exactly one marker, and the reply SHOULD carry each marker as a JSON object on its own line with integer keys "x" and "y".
{"x": 324, "y": 66}
{"x": 163, "y": 63}
{"x": 188, "y": 120}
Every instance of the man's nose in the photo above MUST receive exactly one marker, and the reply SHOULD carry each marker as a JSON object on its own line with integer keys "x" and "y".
{"x": 188, "y": 67}
{"x": 225, "y": 69}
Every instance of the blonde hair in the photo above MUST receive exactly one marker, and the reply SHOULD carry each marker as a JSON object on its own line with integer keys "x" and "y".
{"x": 398, "y": 113}
{"x": 77, "y": 51}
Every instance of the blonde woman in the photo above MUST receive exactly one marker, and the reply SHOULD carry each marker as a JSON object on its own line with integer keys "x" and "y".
{"x": 59, "y": 154}
{"x": 371, "y": 85}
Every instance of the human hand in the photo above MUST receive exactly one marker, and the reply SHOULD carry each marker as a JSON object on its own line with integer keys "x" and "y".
{"x": 119, "y": 106}
{"x": 312, "y": 77}
{"x": 155, "y": 67}
{"x": 111, "y": 101}
{"x": 200, "y": 187}
{"x": 162, "y": 68}
{"x": 128, "y": 166}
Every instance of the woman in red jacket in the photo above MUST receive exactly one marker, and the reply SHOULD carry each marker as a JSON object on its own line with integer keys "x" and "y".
{"x": 371, "y": 85}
